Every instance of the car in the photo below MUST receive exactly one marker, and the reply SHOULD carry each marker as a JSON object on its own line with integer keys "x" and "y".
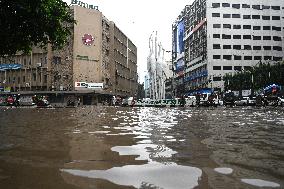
{"x": 229, "y": 99}
{"x": 280, "y": 101}
{"x": 245, "y": 101}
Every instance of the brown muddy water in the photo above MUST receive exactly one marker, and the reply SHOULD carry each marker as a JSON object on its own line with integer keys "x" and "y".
{"x": 122, "y": 147}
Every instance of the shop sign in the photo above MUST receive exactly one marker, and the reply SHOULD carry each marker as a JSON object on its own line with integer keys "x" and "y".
{"x": 88, "y": 39}
{"x": 80, "y": 57}
{"x": 85, "y": 5}
{"x": 85, "y": 85}
{"x": 7, "y": 89}
{"x": 1, "y": 89}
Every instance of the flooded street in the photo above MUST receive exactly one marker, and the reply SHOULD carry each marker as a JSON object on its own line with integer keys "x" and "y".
{"x": 125, "y": 147}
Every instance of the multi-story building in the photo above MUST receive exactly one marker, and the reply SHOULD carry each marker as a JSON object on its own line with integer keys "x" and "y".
{"x": 225, "y": 37}
{"x": 178, "y": 54}
{"x": 156, "y": 68}
{"x": 97, "y": 57}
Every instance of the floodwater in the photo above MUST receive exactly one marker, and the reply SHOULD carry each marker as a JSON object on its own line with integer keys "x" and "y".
{"x": 123, "y": 147}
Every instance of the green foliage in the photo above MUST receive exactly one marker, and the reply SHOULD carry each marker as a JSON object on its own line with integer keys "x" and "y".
{"x": 26, "y": 23}
{"x": 258, "y": 77}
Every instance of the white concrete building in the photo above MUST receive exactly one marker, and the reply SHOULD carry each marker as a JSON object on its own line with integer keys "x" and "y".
{"x": 227, "y": 36}
{"x": 156, "y": 67}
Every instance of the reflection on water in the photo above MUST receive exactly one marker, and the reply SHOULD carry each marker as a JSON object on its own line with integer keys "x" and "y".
{"x": 156, "y": 175}
{"x": 122, "y": 147}
{"x": 260, "y": 183}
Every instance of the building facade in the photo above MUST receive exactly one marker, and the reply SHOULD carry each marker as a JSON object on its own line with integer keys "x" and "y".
{"x": 227, "y": 37}
{"x": 98, "y": 57}
{"x": 156, "y": 68}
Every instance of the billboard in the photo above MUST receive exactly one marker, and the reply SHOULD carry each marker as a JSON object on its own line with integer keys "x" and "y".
{"x": 85, "y": 85}
{"x": 180, "y": 34}
{"x": 180, "y": 64}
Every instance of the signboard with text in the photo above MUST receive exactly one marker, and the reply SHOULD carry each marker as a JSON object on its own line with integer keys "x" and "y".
{"x": 85, "y": 5}
{"x": 85, "y": 85}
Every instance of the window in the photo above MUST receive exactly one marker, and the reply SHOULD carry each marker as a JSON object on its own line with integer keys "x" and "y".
{"x": 227, "y": 57}
{"x": 247, "y": 47}
{"x": 216, "y": 46}
{"x": 246, "y": 36}
{"x": 56, "y": 60}
{"x": 256, "y": 47}
{"x": 257, "y": 7}
{"x": 266, "y": 37}
{"x": 237, "y": 27}
{"x": 266, "y": 27}
{"x": 275, "y": 17}
{"x": 237, "y": 47}
{"x": 45, "y": 78}
{"x": 275, "y": 28}
{"x": 236, "y": 36}
{"x": 224, "y": 36}
{"x": 247, "y": 57}
{"x": 257, "y": 57}
{"x": 236, "y": 16}
{"x": 215, "y": 14}
{"x": 215, "y": 5}
{"x": 275, "y": 7}
{"x": 19, "y": 79}
{"x": 255, "y": 16}
{"x": 265, "y": 17}
{"x": 236, "y": 6}
{"x": 265, "y": 7}
{"x": 245, "y": 6}
{"x": 276, "y": 38}
{"x": 25, "y": 61}
{"x": 216, "y": 25}
{"x": 256, "y": 27}
{"x": 275, "y": 58}
{"x": 237, "y": 57}
{"x": 217, "y": 78}
{"x": 227, "y": 26}
{"x": 227, "y": 47}
{"x": 216, "y": 56}
{"x": 216, "y": 35}
{"x": 227, "y": 67}
{"x": 256, "y": 37}
{"x": 226, "y": 16}
{"x": 267, "y": 48}
{"x": 216, "y": 67}
{"x": 34, "y": 76}
{"x": 24, "y": 78}
{"x": 246, "y": 17}
{"x": 267, "y": 57}
{"x": 277, "y": 48}
{"x": 237, "y": 68}
{"x": 246, "y": 26}
{"x": 225, "y": 4}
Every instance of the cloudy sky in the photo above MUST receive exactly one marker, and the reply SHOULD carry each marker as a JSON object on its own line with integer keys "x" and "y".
{"x": 139, "y": 18}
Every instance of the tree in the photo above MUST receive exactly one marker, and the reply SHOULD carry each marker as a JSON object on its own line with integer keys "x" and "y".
{"x": 26, "y": 23}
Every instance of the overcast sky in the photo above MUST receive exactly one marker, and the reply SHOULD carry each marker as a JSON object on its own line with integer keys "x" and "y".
{"x": 139, "y": 18}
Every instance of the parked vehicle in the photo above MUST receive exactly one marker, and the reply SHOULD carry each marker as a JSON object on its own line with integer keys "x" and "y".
{"x": 229, "y": 98}
{"x": 190, "y": 101}
{"x": 281, "y": 101}
{"x": 203, "y": 99}
{"x": 26, "y": 101}
{"x": 10, "y": 101}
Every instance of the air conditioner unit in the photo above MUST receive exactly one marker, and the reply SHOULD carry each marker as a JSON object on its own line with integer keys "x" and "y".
{"x": 38, "y": 64}
{"x": 27, "y": 84}
{"x": 67, "y": 58}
